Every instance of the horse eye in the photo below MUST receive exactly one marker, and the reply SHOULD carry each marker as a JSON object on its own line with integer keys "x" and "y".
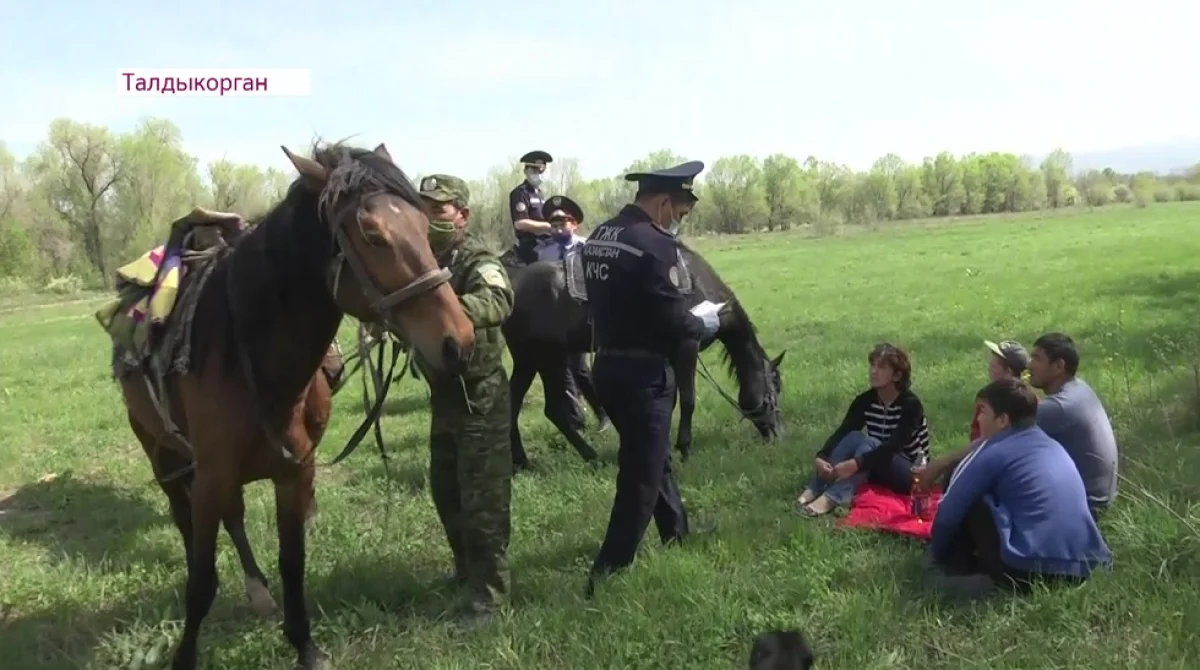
{"x": 374, "y": 238}
{"x": 372, "y": 235}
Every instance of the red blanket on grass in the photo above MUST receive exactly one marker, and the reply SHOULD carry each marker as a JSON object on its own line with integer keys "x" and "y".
{"x": 882, "y": 509}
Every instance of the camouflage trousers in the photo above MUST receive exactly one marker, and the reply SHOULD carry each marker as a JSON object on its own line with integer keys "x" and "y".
{"x": 471, "y": 482}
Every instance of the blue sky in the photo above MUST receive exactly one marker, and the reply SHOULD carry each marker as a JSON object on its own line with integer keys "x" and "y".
{"x": 460, "y": 86}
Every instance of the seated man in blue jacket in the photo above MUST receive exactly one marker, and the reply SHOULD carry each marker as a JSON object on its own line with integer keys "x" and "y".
{"x": 1015, "y": 509}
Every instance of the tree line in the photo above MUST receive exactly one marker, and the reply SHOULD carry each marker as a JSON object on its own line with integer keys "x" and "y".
{"x": 88, "y": 199}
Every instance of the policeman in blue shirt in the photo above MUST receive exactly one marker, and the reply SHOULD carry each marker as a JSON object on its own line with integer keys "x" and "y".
{"x": 525, "y": 205}
{"x": 639, "y": 318}
{"x": 564, "y": 214}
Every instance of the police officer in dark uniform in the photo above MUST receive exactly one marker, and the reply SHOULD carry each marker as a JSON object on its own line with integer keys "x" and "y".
{"x": 525, "y": 205}
{"x": 639, "y": 318}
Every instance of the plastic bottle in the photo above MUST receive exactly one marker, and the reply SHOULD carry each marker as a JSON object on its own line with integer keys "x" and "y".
{"x": 919, "y": 499}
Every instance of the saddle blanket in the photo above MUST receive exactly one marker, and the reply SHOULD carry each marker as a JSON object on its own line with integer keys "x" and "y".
{"x": 149, "y": 287}
{"x": 880, "y": 508}
{"x": 146, "y": 292}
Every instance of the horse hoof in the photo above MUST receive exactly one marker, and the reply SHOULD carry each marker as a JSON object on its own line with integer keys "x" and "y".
{"x": 260, "y": 598}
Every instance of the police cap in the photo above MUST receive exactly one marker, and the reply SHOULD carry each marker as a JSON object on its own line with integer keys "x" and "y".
{"x": 539, "y": 157}
{"x": 561, "y": 206}
{"x": 673, "y": 180}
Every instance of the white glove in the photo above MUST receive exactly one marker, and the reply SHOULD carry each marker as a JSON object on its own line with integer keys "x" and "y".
{"x": 707, "y": 311}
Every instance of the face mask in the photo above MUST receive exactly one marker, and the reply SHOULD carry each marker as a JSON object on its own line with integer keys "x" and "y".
{"x": 534, "y": 178}
{"x": 442, "y": 235}
{"x": 673, "y": 223}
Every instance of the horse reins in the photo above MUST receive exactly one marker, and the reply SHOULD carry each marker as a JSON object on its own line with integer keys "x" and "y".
{"x": 751, "y": 414}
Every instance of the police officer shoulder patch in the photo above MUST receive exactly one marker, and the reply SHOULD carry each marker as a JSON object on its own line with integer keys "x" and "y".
{"x": 491, "y": 275}
{"x": 673, "y": 275}
{"x": 520, "y": 207}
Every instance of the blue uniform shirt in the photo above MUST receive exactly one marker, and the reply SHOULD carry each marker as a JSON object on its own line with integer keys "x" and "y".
{"x": 525, "y": 202}
{"x": 629, "y": 267}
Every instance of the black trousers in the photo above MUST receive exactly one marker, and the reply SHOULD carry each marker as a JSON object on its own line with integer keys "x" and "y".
{"x": 976, "y": 550}
{"x": 976, "y": 547}
{"x": 639, "y": 397}
{"x": 527, "y": 249}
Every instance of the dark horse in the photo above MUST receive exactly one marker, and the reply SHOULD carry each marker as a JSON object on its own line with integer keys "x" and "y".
{"x": 548, "y": 323}
{"x": 252, "y": 402}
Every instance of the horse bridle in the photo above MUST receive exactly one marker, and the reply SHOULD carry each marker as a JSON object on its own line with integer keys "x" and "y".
{"x": 380, "y": 304}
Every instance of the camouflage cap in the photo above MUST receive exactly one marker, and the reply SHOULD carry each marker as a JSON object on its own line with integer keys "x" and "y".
{"x": 445, "y": 188}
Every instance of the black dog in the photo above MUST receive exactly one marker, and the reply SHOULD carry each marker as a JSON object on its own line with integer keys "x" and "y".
{"x": 781, "y": 650}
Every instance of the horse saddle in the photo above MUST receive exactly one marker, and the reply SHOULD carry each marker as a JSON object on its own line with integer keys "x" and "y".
{"x": 203, "y": 229}
{"x": 577, "y": 287}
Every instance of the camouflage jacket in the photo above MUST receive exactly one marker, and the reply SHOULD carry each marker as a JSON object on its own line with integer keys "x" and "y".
{"x": 486, "y": 295}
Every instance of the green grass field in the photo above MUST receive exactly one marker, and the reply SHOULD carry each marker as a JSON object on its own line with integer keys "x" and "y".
{"x": 91, "y": 570}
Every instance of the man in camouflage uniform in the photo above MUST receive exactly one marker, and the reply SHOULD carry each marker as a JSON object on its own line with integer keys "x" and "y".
{"x": 470, "y": 456}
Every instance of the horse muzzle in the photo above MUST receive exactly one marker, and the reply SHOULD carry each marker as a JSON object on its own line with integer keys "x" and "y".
{"x": 454, "y": 357}
{"x": 767, "y": 422}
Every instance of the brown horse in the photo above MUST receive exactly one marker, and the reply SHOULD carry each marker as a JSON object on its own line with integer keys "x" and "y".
{"x": 253, "y": 402}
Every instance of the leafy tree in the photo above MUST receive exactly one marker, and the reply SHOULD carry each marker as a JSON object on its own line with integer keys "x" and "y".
{"x": 88, "y": 199}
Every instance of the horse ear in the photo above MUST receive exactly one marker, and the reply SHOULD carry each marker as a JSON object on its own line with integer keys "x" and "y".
{"x": 307, "y": 167}
{"x": 778, "y": 359}
{"x": 382, "y": 151}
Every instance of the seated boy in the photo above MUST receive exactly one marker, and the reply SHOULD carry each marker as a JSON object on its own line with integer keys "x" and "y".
{"x": 897, "y": 436}
{"x": 1007, "y": 360}
{"x": 1015, "y": 509}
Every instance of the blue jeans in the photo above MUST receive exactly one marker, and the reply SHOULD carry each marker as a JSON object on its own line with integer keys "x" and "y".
{"x": 896, "y": 474}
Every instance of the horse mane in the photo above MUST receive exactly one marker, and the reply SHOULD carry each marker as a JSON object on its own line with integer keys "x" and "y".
{"x": 362, "y": 170}
{"x": 278, "y": 266}
{"x": 715, "y": 288}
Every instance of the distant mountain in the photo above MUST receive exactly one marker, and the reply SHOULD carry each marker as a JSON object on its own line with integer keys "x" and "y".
{"x": 1163, "y": 157}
